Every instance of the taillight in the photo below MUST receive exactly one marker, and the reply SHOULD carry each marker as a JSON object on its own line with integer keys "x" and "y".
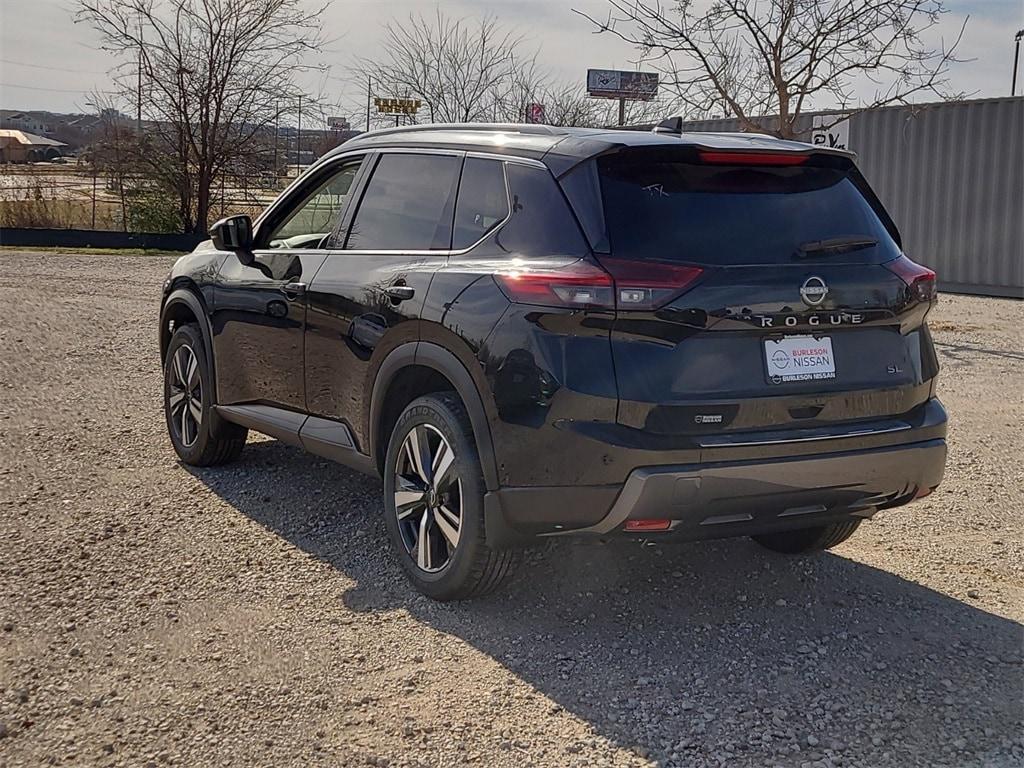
{"x": 920, "y": 280}
{"x": 622, "y": 284}
{"x": 648, "y": 284}
{"x": 581, "y": 285}
{"x": 752, "y": 158}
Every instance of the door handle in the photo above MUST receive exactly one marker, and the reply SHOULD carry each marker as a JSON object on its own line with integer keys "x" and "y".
{"x": 292, "y": 290}
{"x": 400, "y": 292}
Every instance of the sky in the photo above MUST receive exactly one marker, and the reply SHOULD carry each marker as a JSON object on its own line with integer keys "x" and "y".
{"x": 47, "y": 61}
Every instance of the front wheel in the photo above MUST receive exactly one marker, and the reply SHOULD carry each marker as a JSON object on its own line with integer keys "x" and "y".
{"x": 433, "y": 502}
{"x": 808, "y": 539}
{"x": 199, "y": 436}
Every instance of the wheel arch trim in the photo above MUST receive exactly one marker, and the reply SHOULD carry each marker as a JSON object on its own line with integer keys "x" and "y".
{"x": 185, "y": 296}
{"x": 448, "y": 365}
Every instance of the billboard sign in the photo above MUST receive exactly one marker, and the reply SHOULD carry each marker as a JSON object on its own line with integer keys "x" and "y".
{"x": 619, "y": 84}
{"x": 338, "y": 123}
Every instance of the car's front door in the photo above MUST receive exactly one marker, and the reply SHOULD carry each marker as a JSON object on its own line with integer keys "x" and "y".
{"x": 368, "y": 297}
{"x": 259, "y": 312}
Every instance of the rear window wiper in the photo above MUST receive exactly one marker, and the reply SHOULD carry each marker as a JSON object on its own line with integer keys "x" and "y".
{"x": 834, "y": 245}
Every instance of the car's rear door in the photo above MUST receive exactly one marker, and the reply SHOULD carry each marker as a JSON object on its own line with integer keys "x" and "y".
{"x": 368, "y": 296}
{"x": 787, "y": 303}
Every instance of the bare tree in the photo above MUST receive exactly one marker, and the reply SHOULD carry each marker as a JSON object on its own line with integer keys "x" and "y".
{"x": 751, "y": 58}
{"x": 112, "y": 152}
{"x": 462, "y": 70}
{"x": 208, "y": 78}
{"x": 568, "y": 104}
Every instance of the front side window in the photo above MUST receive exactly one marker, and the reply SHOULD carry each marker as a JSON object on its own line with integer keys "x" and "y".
{"x": 408, "y": 204}
{"x": 310, "y": 223}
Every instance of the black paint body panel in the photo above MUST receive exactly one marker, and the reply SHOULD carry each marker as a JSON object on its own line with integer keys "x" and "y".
{"x": 569, "y": 405}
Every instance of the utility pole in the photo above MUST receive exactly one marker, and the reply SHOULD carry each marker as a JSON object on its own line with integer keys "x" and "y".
{"x": 277, "y": 132}
{"x": 622, "y": 111}
{"x": 298, "y": 138}
{"x": 369, "y": 97}
{"x": 1016, "y": 56}
{"x": 138, "y": 92}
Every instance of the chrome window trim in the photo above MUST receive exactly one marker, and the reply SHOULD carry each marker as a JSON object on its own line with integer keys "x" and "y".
{"x": 365, "y": 151}
{"x": 506, "y": 158}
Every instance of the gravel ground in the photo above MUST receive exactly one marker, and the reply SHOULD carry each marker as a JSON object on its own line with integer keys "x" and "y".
{"x": 252, "y": 615}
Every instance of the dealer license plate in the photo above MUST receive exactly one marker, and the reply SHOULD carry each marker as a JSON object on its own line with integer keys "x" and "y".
{"x": 799, "y": 358}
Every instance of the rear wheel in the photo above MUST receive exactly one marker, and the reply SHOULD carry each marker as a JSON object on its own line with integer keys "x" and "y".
{"x": 199, "y": 436}
{"x": 808, "y": 539}
{"x": 433, "y": 501}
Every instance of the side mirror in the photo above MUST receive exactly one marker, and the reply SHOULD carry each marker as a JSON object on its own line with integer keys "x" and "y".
{"x": 233, "y": 234}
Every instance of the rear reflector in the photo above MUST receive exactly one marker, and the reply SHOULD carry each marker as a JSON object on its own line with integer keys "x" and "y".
{"x": 621, "y": 284}
{"x": 648, "y": 525}
{"x": 920, "y": 280}
{"x": 753, "y": 158}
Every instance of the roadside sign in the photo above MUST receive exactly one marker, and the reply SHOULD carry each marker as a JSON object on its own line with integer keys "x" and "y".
{"x": 825, "y": 132}
{"x": 535, "y": 113}
{"x": 398, "y": 106}
{"x": 619, "y": 84}
{"x": 338, "y": 123}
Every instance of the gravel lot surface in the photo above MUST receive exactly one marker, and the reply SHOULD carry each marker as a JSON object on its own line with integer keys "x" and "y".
{"x": 252, "y": 615}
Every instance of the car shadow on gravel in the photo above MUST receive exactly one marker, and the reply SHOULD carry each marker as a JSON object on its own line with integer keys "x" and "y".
{"x": 688, "y": 653}
{"x": 966, "y": 352}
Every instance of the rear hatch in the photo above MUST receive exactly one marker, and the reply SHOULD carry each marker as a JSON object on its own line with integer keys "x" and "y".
{"x": 758, "y": 291}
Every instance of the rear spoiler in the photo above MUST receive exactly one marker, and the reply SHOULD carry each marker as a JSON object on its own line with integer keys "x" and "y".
{"x": 762, "y": 142}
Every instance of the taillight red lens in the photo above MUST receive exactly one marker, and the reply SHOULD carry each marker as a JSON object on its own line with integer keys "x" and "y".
{"x": 581, "y": 285}
{"x": 648, "y": 284}
{"x": 752, "y": 158}
{"x": 622, "y": 284}
{"x": 920, "y": 280}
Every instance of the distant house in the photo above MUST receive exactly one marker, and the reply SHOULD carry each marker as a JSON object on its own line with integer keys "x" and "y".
{"x": 32, "y": 122}
{"x": 22, "y": 147}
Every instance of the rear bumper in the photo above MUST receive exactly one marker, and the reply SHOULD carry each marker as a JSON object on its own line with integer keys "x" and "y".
{"x": 723, "y": 498}
{"x": 744, "y": 498}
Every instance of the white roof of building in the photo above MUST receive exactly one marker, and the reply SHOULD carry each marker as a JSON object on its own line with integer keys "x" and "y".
{"x": 29, "y": 139}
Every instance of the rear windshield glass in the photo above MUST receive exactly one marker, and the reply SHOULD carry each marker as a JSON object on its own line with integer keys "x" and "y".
{"x": 729, "y": 215}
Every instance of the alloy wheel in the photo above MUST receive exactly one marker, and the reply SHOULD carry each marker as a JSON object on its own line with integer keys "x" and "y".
{"x": 428, "y": 498}
{"x": 185, "y": 400}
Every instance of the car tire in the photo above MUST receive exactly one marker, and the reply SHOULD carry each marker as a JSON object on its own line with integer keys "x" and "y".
{"x": 808, "y": 539}
{"x": 434, "y": 503}
{"x": 199, "y": 436}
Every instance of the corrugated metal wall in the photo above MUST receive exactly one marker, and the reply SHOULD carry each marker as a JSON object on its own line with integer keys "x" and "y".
{"x": 952, "y": 177}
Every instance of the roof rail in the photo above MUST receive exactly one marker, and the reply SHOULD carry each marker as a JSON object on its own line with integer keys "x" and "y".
{"x": 536, "y": 129}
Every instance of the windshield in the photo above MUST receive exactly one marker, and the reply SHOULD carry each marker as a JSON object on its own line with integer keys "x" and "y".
{"x": 731, "y": 215}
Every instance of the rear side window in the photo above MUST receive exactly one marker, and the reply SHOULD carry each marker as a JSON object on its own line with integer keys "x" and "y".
{"x": 483, "y": 201}
{"x": 407, "y": 205}
{"x": 730, "y": 215}
{"x": 541, "y": 223}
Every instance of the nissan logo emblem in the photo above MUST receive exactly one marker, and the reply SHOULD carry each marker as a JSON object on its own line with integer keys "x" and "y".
{"x": 813, "y": 291}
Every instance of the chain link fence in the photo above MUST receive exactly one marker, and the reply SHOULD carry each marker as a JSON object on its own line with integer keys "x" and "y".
{"x": 76, "y": 196}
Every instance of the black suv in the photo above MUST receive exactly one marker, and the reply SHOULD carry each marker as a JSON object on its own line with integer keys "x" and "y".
{"x": 531, "y": 331}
